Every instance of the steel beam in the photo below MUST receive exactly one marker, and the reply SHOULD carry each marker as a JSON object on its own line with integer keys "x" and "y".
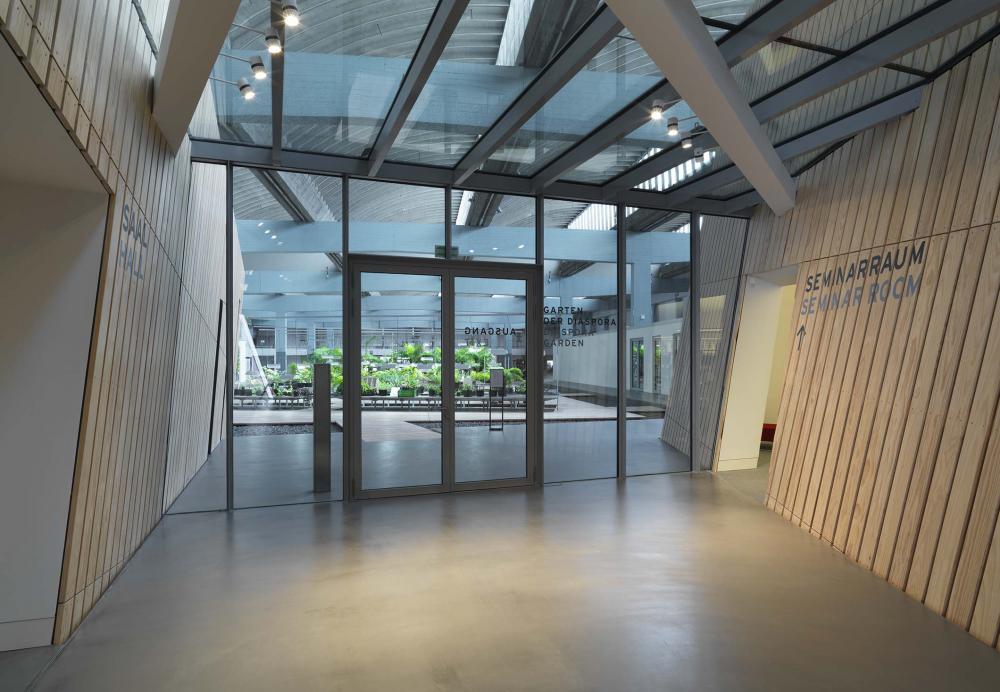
{"x": 836, "y": 131}
{"x": 908, "y": 35}
{"x": 255, "y": 156}
{"x": 587, "y": 43}
{"x": 675, "y": 38}
{"x": 439, "y": 31}
{"x": 764, "y": 27}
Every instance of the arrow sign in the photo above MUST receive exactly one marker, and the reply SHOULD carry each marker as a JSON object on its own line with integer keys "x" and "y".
{"x": 800, "y": 333}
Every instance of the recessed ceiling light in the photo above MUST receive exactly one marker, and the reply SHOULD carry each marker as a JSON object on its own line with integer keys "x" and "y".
{"x": 521, "y": 246}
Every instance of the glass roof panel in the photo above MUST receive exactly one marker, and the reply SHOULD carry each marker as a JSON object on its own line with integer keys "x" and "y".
{"x": 343, "y": 66}
{"x": 497, "y": 49}
{"x": 634, "y": 147}
{"x": 731, "y": 11}
{"x": 618, "y": 74}
{"x": 844, "y": 24}
{"x": 773, "y": 66}
{"x": 224, "y": 112}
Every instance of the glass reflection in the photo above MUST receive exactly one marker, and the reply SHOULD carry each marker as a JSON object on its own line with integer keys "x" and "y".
{"x": 579, "y": 336}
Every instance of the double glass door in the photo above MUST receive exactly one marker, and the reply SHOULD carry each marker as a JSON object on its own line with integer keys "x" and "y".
{"x": 441, "y": 376}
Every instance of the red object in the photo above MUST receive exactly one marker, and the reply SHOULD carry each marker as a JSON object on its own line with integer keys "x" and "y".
{"x": 767, "y": 434}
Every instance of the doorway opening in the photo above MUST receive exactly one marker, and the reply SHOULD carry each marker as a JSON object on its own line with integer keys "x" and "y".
{"x": 759, "y": 359}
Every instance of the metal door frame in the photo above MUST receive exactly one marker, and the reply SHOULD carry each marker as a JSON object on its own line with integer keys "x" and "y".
{"x": 448, "y": 271}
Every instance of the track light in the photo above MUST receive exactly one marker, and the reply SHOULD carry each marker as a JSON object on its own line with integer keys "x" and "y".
{"x": 673, "y": 128}
{"x": 686, "y": 143}
{"x": 290, "y": 13}
{"x": 656, "y": 112}
{"x": 244, "y": 86}
{"x": 257, "y": 67}
{"x": 273, "y": 44}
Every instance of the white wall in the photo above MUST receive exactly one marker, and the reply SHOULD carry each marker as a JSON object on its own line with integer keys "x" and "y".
{"x": 782, "y": 344}
{"x": 751, "y": 375}
{"x": 49, "y": 268}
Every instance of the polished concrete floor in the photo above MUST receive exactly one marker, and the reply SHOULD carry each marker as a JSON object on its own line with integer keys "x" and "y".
{"x": 667, "y": 582}
{"x": 277, "y": 469}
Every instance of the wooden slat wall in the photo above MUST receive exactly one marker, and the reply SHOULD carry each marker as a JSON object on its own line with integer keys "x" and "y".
{"x": 888, "y": 442}
{"x": 92, "y": 62}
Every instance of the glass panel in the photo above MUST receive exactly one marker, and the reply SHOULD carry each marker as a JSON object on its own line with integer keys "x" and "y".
{"x": 580, "y": 341}
{"x": 343, "y": 67}
{"x": 396, "y": 219}
{"x": 773, "y": 66}
{"x": 731, "y": 11}
{"x": 290, "y": 293}
{"x": 490, "y": 379}
{"x": 720, "y": 240}
{"x": 492, "y": 226}
{"x": 225, "y": 112}
{"x": 844, "y": 24}
{"x": 658, "y": 248}
{"x": 643, "y": 142}
{"x": 400, "y": 380}
{"x": 497, "y": 49}
{"x": 620, "y": 73}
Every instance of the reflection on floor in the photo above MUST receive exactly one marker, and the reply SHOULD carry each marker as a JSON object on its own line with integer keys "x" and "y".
{"x": 670, "y": 582}
{"x": 277, "y": 469}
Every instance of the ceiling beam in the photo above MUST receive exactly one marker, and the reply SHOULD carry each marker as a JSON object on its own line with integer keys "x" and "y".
{"x": 439, "y": 31}
{"x": 587, "y": 43}
{"x": 836, "y": 131}
{"x": 908, "y": 35}
{"x": 765, "y": 26}
{"x": 256, "y": 156}
{"x": 675, "y": 38}
{"x": 193, "y": 34}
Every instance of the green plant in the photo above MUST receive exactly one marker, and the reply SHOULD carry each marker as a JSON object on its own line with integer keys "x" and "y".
{"x": 480, "y": 376}
{"x": 478, "y": 358}
{"x": 436, "y": 352}
{"x": 301, "y": 373}
{"x": 512, "y": 375}
{"x": 324, "y": 354}
{"x": 272, "y": 376}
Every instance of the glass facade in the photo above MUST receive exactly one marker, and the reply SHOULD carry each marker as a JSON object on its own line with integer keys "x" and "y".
{"x": 580, "y": 341}
{"x": 658, "y": 251}
{"x": 608, "y": 404}
{"x": 289, "y": 289}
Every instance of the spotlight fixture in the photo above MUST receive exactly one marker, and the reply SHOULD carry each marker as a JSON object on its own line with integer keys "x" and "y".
{"x": 273, "y": 44}
{"x": 257, "y": 67}
{"x": 290, "y": 13}
{"x": 244, "y": 86}
{"x": 686, "y": 143}
{"x": 673, "y": 128}
{"x": 656, "y": 112}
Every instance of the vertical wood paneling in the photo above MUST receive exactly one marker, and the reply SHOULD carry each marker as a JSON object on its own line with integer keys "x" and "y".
{"x": 888, "y": 440}
{"x": 157, "y": 307}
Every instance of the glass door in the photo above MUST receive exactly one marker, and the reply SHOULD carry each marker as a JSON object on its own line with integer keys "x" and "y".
{"x": 441, "y": 356}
